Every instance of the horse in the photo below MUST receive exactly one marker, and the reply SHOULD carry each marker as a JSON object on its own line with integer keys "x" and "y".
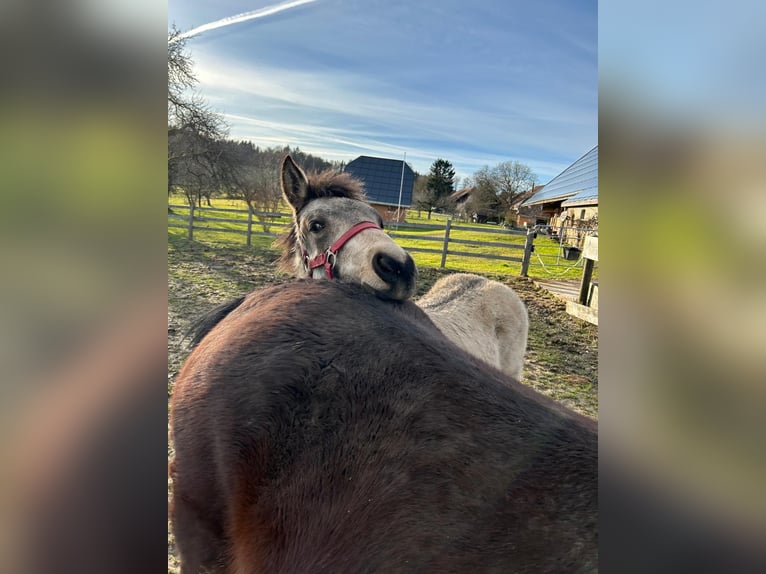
{"x": 301, "y": 446}
{"x": 336, "y": 234}
{"x": 485, "y": 317}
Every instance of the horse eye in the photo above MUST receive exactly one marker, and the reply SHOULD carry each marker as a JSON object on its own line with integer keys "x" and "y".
{"x": 316, "y": 226}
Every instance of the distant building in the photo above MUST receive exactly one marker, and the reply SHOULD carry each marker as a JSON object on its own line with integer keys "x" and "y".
{"x": 528, "y": 215}
{"x": 460, "y": 199}
{"x": 571, "y": 198}
{"x": 383, "y": 182}
{"x": 517, "y": 215}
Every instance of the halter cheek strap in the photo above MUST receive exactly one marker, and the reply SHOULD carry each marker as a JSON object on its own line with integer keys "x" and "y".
{"x": 327, "y": 259}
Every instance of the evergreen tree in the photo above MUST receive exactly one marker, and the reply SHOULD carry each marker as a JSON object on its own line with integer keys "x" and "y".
{"x": 441, "y": 181}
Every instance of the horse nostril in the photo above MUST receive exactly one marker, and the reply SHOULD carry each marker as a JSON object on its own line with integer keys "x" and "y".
{"x": 387, "y": 268}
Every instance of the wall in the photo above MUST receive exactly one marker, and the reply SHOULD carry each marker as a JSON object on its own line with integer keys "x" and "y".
{"x": 388, "y": 212}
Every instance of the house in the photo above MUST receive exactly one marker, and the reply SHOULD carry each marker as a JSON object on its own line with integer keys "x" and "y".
{"x": 459, "y": 199}
{"x": 387, "y": 182}
{"x": 569, "y": 202}
{"x": 461, "y": 196}
{"x": 528, "y": 215}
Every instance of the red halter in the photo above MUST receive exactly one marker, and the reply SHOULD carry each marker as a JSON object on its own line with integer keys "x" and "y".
{"x": 328, "y": 257}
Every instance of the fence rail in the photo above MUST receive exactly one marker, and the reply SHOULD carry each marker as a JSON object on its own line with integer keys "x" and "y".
{"x": 192, "y": 219}
{"x": 273, "y": 223}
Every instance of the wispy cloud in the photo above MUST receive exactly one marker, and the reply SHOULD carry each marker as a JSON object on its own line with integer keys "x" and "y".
{"x": 244, "y": 17}
{"x": 459, "y": 81}
{"x": 342, "y": 113}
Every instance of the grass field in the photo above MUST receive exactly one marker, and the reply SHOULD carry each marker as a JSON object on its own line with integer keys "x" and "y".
{"x": 547, "y": 260}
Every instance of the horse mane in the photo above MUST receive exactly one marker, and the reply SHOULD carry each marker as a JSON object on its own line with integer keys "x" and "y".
{"x": 326, "y": 183}
{"x": 203, "y": 324}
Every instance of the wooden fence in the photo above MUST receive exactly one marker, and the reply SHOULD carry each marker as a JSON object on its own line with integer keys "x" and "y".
{"x": 268, "y": 220}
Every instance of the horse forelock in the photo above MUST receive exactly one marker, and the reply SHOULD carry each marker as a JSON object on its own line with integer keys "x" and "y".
{"x": 333, "y": 184}
{"x": 320, "y": 184}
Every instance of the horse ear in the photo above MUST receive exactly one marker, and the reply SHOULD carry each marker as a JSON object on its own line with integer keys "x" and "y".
{"x": 294, "y": 184}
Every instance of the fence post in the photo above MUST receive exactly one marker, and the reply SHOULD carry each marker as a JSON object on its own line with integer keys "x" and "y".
{"x": 587, "y": 274}
{"x": 191, "y": 220}
{"x": 249, "y": 222}
{"x": 528, "y": 248}
{"x": 446, "y": 243}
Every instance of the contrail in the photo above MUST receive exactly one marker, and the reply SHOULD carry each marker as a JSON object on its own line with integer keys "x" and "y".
{"x": 244, "y": 17}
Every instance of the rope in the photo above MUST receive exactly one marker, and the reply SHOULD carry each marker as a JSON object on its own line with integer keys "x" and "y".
{"x": 575, "y": 264}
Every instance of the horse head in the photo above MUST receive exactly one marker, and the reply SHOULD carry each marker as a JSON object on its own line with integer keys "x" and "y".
{"x": 337, "y": 234}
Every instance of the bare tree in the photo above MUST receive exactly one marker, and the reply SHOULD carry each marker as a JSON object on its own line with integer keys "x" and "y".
{"x": 255, "y": 179}
{"x": 513, "y": 180}
{"x": 419, "y": 191}
{"x": 185, "y": 106}
{"x": 483, "y": 204}
{"x": 200, "y": 169}
{"x": 193, "y": 128}
{"x": 499, "y": 189}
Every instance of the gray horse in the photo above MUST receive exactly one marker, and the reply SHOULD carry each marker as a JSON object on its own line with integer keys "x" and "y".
{"x": 336, "y": 233}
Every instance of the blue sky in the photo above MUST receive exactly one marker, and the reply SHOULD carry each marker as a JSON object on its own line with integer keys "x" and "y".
{"x": 474, "y": 82}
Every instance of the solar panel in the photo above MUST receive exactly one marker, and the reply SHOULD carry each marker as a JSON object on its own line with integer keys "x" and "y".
{"x": 578, "y": 180}
{"x": 382, "y": 178}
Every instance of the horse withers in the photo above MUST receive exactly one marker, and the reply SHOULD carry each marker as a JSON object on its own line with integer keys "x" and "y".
{"x": 484, "y": 317}
{"x": 319, "y": 428}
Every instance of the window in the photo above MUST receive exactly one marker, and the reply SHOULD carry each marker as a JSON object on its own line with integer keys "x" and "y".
{"x": 582, "y": 214}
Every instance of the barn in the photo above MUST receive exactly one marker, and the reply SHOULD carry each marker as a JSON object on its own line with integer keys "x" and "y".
{"x": 571, "y": 198}
{"x": 385, "y": 182}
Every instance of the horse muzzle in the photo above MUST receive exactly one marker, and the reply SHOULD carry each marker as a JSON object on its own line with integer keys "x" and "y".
{"x": 399, "y": 276}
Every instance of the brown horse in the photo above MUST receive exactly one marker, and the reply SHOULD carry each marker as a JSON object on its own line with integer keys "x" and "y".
{"x": 484, "y": 317}
{"x": 319, "y": 428}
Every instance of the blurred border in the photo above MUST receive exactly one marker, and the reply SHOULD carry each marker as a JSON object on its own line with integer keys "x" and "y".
{"x": 682, "y": 370}
{"x": 82, "y": 248}
{"x": 83, "y": 254}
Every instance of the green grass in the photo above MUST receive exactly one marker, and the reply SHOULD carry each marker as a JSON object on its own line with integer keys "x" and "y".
{"x": 547, "y": 259}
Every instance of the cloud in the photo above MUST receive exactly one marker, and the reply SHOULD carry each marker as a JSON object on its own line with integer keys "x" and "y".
{"x": 244, "y": 17}
{"x": 341, "y": 114}
{"x": 385, "y": 78}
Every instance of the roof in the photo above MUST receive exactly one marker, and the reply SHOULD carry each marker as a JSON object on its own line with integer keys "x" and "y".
{"x": 382, "y": 179}
{"x": 585, "y": 197}
{"x": 579, "y": 180}
{"x": 526, "y": 195}
{"x": 461, "y": 195}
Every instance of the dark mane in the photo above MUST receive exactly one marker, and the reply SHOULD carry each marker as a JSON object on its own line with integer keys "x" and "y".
{"x": 320, "y": 184}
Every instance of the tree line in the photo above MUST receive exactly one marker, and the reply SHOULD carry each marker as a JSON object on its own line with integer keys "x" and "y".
{"x": 203, "y": 162}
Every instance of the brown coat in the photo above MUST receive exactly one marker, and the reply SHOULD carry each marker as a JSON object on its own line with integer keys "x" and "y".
{"x": 318, "y": 428}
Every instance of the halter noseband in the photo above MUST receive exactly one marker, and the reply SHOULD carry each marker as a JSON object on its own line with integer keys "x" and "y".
{"x": 328, "y": 257}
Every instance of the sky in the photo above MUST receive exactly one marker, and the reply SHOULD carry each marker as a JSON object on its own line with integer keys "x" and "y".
{"x": 473, "y": 82}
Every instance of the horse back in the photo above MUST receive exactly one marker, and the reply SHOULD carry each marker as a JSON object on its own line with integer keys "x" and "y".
{"x": 319, "y": 429}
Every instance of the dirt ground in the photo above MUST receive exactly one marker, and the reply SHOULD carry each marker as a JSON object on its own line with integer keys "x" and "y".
{"x": 562, "y": 351}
